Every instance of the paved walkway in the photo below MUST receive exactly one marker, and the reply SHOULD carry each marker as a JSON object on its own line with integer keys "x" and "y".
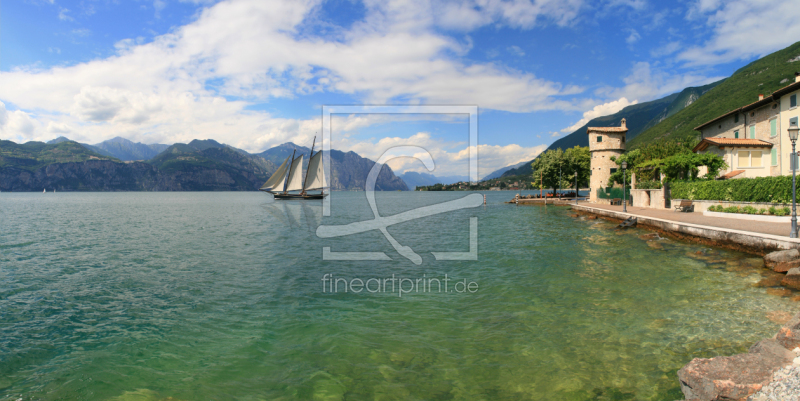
{"x": 780, "y": 229}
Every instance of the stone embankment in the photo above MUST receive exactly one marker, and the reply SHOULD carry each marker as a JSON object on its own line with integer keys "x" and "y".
{"x": 770, "y": 370}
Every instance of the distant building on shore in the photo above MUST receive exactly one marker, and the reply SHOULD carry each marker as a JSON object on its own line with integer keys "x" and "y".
{"x": 604, "y": 142}
{"x": 752, "y": 139}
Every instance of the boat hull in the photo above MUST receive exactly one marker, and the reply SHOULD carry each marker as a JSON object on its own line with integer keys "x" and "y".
{"x": 280, "y": 196}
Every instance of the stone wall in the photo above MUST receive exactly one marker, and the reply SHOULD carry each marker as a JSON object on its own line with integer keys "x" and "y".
{"x": 650, "y": 198}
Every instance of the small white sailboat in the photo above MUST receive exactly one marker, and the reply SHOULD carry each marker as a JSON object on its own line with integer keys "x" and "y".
{"x": 44, "y": 190}
{"x": 281, "y": 183}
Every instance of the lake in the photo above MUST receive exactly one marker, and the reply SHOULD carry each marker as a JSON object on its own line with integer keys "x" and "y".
{"x": 222, "y": 295}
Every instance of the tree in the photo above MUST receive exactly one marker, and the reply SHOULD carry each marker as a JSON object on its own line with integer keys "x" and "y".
{"x": 546, "y": 168}
{"x": 578, "y": 159}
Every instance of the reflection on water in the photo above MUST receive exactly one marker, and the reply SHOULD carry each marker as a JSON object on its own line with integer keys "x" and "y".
{"x": 147, "y": 296}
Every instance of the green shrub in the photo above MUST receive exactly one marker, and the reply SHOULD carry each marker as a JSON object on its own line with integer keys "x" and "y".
{"x": 648, "y": 184}
{"x": 731, "y": 209}
{"x": 749, "y": 210}
{"x": 761, "y": 189}
{"x": 772, "y": 210}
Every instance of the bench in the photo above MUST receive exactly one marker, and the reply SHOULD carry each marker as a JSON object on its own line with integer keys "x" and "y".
{"x": 684, "y": 206}
{"x": 616, "y": 201}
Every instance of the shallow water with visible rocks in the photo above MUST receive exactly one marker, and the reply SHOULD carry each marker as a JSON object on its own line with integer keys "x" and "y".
{"x": 147, "y": 296}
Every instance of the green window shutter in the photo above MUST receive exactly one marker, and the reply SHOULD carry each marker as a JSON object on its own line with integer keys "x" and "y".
{"x": 774, "y": 157}
{"x": 752, "y": 132}
{"x": 773, "y": 127}
{"x": 793, "y": 101}
{"x": 736, "y": 134}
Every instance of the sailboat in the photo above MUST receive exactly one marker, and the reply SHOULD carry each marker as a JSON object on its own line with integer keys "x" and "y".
{"x": 281, "y": 183}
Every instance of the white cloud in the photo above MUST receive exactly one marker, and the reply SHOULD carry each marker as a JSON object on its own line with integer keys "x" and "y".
{"x": 62, "y": 15}
{"x": 666, "y": 50}
{"x": 646, "y": 82}
{"x": 516, "y": 50}
{"x": 252, "y": 50}
{"x": 633, "y": 37}
{"x": 742, "y": 29}
{"x": 525, "y": 14}
{"x": 600, "y": 110}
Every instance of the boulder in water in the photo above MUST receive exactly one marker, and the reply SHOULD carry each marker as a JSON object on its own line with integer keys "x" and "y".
{"x": 782, "y": 261}
{"x": 792, "y": 279}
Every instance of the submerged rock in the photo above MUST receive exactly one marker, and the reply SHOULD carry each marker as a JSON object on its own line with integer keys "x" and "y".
{"x": 792, "y": 279}
{"x": 772, "y": 280}
{"x": 650, "y": 236}
{"x": 782, "y": 261}
{"x": 779, "y": 316}
{"x": 733, "y": 377}
{"x": 779, "y": 292}
{"x": 789, "y": 335}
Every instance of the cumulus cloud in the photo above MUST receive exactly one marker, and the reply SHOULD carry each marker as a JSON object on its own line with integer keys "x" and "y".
{"x": 599, "y": 111}
{"x": 742, "y": 29}
{"x": 198, "y": 80}
{"x": 646, "y": 82}
{"x": 450, "y": 157}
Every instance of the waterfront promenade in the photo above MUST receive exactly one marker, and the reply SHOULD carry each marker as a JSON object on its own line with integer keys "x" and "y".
{"x": 756, "y": 236}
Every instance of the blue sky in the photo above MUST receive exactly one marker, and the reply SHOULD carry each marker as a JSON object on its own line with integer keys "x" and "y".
{"x": 255, "y": 74}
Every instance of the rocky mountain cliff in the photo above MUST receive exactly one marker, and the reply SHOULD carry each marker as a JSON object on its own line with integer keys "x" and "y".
{"x": 201, "y": 165}
{"x": 349, "y": 170}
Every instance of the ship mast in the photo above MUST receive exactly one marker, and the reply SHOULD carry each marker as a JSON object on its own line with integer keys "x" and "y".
{"x": 305, "y": 181}
{"x": 286, "y": 182}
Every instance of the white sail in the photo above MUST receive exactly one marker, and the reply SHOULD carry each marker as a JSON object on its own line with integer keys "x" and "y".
{"x": 316, "y": 174}
{"x": 296, "y": 175}
{"x": 276, "y": 181}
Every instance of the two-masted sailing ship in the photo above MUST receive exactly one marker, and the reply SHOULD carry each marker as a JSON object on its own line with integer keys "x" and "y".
{"x": 289, "y": 178}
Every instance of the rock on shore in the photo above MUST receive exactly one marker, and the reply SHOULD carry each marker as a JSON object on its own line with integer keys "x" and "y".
{"x": 782, "y": 261}
{"x": 733, "y": 377}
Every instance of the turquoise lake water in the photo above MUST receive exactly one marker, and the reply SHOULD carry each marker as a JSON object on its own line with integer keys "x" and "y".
{"x": 199, "y": 296}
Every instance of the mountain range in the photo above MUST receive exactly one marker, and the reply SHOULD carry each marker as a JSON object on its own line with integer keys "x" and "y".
{"x": 414, "y": 179}
{"x": 639, "y": 117}
{"x": 674, "y": 117}
{"x": 200, "y": 165}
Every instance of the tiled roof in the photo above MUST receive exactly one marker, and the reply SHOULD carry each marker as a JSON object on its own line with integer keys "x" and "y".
{"x": 732, "y": 174}
{"x": 731, "y": 142}
{"x": 606, "y": 129}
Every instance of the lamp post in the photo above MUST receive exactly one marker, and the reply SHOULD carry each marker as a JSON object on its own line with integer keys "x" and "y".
{"x": 793, "y": 130}
{"x": 624, "y": 198}
{"x": 576, "y": 187}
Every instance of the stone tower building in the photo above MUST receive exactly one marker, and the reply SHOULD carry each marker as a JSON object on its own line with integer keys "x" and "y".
{"x": 604, "y": 142}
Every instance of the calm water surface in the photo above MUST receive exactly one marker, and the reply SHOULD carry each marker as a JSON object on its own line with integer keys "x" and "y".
{"x": 195, "y": 296}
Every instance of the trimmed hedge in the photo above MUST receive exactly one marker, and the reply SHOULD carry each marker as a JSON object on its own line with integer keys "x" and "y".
{"x": 775, "y": 211}
{"x": 761, "y": 189}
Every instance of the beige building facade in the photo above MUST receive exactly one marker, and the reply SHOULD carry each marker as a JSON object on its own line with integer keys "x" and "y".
{"x": 753, "y": 139}
{"x": 604, "y": 143}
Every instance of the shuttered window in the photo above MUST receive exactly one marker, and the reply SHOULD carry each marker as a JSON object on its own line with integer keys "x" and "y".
{"x": 744, "y": 158}
{"x": 736, "y": 134}
{"x": 755, "y": 159}
{"x": 773, "y": 127}
{"x": 774, "y": 157}
{"x": 752, "y": 132}
{"x": 793, "y": 101}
